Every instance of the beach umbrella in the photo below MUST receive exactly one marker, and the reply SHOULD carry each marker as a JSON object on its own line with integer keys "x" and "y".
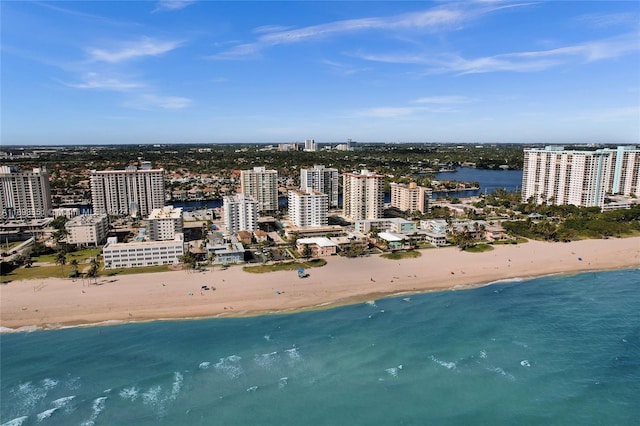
{"x": 300, "y": 270}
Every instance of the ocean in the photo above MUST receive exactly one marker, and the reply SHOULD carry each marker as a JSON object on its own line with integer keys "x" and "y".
{"x": 559, "y": 350}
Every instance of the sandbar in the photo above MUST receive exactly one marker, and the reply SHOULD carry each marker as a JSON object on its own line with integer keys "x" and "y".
{"x": 55, "y": 303}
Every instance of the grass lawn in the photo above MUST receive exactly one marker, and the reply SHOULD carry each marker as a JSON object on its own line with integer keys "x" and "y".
{"x": 55, "y": 271}
{"x": 401, "y": 255}
{"x": 287, "y": 266}
{"x": 36, "y": 272}
{"x": 80, "y": 256}
{"x": 479, "y": 248}
{"x": 518, "y": 240}
{"x": 11, "y": 246}
{"x": 131, "y": 271}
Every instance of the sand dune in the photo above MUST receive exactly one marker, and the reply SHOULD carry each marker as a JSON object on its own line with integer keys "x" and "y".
{"x": 54, "y": 303}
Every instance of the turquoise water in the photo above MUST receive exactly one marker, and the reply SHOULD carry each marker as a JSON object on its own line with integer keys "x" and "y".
{"x": 555, "y": 350}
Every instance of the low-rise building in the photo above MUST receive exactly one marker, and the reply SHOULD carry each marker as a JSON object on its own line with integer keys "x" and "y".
{"x": 226, "y": 252}
{"x": 320, "y": 246}
{"x": 90, "y": 229}
{"x": 143, "y": 253}
{"x": 396, "y": 224}
{"x": 391, "y": 241}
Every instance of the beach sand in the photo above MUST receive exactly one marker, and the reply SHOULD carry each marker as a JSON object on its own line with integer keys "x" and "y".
{"x": 55, "y": 303}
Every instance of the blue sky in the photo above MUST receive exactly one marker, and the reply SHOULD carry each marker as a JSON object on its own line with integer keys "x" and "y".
{"x": 100, "y": 72}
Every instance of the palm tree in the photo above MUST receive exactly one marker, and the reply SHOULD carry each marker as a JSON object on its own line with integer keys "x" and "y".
{"x": 306, "y": 251}
{"x": 74, "y": 264}
{"x": 61, "y": 259}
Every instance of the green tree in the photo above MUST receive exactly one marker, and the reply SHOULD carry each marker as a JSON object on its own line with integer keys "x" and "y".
{"x": 306, "y": 251}
{"x": 61, "y": 259}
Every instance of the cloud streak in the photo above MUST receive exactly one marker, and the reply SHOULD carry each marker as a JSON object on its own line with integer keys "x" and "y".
{"x": 528, "y": 61}
{"x": 151, "y": 101}
{"x": 429, "y": 20}
{"x": 93, "y": 81}
{"x": 146, "y": 46}
{"x": 171, "y": 5}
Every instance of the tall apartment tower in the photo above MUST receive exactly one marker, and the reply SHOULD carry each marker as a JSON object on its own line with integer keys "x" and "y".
{"x": 410, "y": 198}
{"x": 240, "y": 213}
{"x": 24, "y": 194}
{"x": 165, "y": 223}
{"x": 363, "y": 195}
{"x": 310, "y": 145}
{"x": 625, "y": 175}
{"x": 131, "y": 191}
{"x": 582, "y": 178}
{"x": 322, "y": 180}
{"x": 308, "y": 208}
{"x": 262, "y": 185}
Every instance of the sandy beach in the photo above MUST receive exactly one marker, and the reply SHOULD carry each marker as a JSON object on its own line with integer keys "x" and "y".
{"x": 55, "y": 303}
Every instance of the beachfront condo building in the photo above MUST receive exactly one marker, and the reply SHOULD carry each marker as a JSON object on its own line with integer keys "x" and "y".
{"x": 142, "y": 253}
{"x": 410, "y": 198}
{"x": 131, "y": 191}
{"x": 164, "y": 223}
{"x": 308, "y": 208}
{"x": 24, "y": 194}
{"x": 240, "y": 213}
{"x": 262, "y": 185}
{"x": 583, "y": 178}
{"x": 87, "y": 230}
{"x": 363, "y": 195}
{"x": 321, "y": 179}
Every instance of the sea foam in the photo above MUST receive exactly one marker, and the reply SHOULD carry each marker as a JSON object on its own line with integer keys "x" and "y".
{"x": 97, "y": 408}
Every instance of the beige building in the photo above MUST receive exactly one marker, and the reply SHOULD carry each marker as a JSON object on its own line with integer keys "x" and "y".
{"x": 24, "y": 194}
{"x": 363, "y": 195}
{"x": 308, "y": 209}
{"x": 131, "y": 191}
{"x": 165, "y": 223}
{"x": 410, "y": 198}
{"x": 262, "y": 185}
{"x": 320, "y": 246}
{"x": 90, "y": 229}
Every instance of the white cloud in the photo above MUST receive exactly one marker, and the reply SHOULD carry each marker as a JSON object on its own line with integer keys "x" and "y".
{"x": 170, "y": 5}
{"x": 450, "y": 99}
{"x": 152, "y": 101}
{"x": 528, "y": 61}
{"x": 607, "y": 20}
{"x": 401, "y": 112}
{"x": 432, "y": 19}
{"x": 93, "y": 81}
{"x": 146, "y": 46}
{"x": 341, "y": 68}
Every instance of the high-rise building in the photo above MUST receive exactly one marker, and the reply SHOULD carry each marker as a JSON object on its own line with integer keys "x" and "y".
{"x": 262, "y": 185}
{"x": 625, "y": 175}
{"x": 410, "y": 198}
{"x": 308, "y": 208}
{"x": 363, "y": 195}
{"x": 557, "y": 176}
{"x": 131, "y": 191}
{"x": 24, "y": 194}
{"x": 322, "y": 180}
{"x": 240, "y": 213}
{"x": 310, "y": 145}
{"x": 165, "y": 223}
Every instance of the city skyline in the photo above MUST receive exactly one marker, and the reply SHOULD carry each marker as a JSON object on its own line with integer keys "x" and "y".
{"x": 84, "y": 73}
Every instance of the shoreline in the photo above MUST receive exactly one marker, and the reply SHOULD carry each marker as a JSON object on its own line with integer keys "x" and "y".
{"x": 56, "y": 303}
